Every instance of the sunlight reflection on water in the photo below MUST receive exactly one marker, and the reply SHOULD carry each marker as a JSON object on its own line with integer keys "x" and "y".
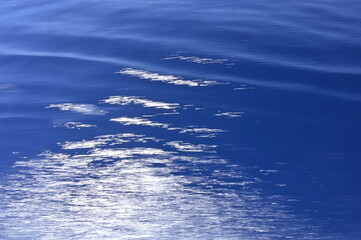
{"x": 179, "y": 119}
{"x": 126, "y": 193}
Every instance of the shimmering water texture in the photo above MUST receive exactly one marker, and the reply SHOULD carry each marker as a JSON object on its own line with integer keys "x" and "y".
{"x": 139, "y": 192}
{"x": 180, "y": 120}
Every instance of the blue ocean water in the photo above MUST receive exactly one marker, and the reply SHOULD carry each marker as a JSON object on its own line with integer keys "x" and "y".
{"x": 180, "y": 119}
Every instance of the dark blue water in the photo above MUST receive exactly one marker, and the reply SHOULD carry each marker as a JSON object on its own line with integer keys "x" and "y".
{"x": 180, "y": 119}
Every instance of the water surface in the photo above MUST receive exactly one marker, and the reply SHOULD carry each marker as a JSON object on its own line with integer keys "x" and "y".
{"x": 180, "y": 119}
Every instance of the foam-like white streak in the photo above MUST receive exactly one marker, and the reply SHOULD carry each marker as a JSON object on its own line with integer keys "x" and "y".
{"x": 202, "y": 131}
{"x": 73, "y": 125}
{"x": 83, "y": 144}
{"x": 243, "y": 88}
{"x": 168, "y": 113}
{"x": 87, "y": 109}
{"x": 196, "y": 131}
{"x": 229, "y": 114}
{"x": 139, "y": 121}
{"x": 170, "y": 79}
{"x": 187, "y": 147}
{"x": 124, "y": 152}
{"x": 126, "y": 100}
{"x": 114, "y": 139}
{"x": 111, "y": 140}
{"x": 195, "y": 59}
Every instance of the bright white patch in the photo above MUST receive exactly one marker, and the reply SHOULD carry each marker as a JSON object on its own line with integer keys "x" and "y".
{"x": 110, "y": 140}
{"x": 267, "y": 172}
{"x": 203, "y": 132}
{"x": 170, "y": 79}
{"x": 134, "y": 194}
{"x": 243, "y": 88}
{"x": 187, "y": 147}
{"x": 230, "y": 114}
{"x": 126, "y": 100}
{"x": 139, "y": 121}
{"x": 195, "y": 59}
{"x": 114, "y": 139}
{"x": 139, "y": 193}
{"x": 196, "y": 131}
{"x": 83, "y": 144}
{"x": 168, "y": 113}
{"x": 87, "y": 109}
{"x": 123, "y": 152}
{"x": 73, "y": 125}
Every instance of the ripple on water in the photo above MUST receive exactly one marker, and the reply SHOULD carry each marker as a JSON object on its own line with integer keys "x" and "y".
{"x": 139, "y": 121}
{"x": 138, "y": 192}
{"x": 130, "y": 186}
{"x": 87, "y": 109}
{"x": 73, "y": 125}
{"x": 195, "y": 59}
{"x": 170, "y": 79}
{"x": 126, "y": 100}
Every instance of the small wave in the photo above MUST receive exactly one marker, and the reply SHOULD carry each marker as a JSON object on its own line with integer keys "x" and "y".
{"x": 127, "y": 100}
{"x": 119, "y": 153}
{"x": 87, "y": 109}
{"x": 243, "y": 88}
{"x": 195, "y": 59}
{"x": 73, "y": 125}
{"x": 83, "y": 144}
{"x": 203, "y": 132}
{"x": 187, "y": 147}
{"x": 170, "y": 79}
{"x": 111, "y": 140}
{"x": 139, "y": 121}
{"x": 229, "y": 114}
